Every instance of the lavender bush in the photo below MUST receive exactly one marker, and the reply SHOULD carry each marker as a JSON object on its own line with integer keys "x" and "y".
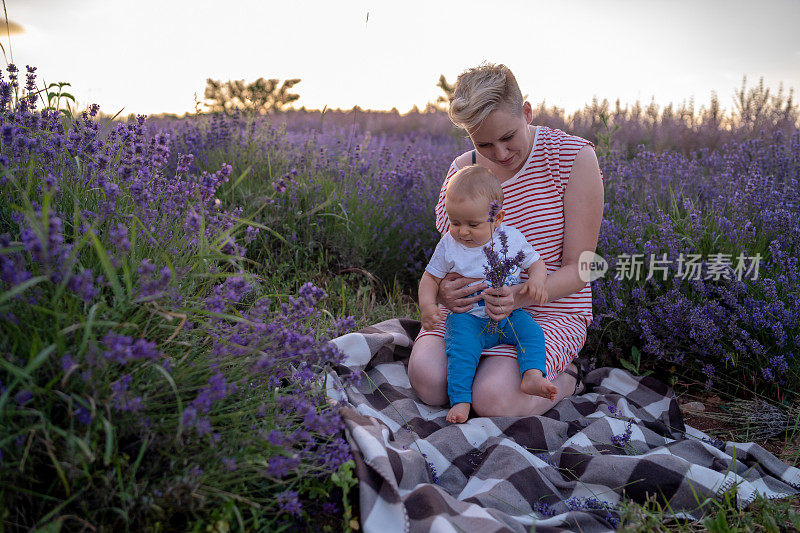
{"x": 146, "y": 382}
{"x": 364, "y": 199}
{"x": 730, "y": 327}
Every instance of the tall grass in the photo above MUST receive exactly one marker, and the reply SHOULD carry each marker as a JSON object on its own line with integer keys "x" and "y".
{"x": 149, "y": 380}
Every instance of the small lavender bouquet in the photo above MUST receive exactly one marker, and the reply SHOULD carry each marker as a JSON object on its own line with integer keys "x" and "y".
{"x": 498, "y": 264}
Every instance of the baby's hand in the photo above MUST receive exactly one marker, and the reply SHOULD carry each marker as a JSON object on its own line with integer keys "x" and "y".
{"x": 537, "y": 291}
{"x": 431, "y": 316}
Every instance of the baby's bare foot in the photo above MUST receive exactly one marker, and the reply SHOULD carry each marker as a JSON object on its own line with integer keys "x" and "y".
{"x": 458, "y": 413}
{"x": 535, "y": 384}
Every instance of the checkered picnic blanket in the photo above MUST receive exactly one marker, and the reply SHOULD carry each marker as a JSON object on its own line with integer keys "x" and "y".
{"x": 624, "y": 437}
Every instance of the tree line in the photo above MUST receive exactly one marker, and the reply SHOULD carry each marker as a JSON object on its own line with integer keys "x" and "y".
{"x": 754, "y": 108}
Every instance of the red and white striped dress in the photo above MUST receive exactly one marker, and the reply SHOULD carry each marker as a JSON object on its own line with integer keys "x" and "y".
{"x": 534, "y": 204}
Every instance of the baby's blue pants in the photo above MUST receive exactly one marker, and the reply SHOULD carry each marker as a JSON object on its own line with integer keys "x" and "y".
{"x": 466, "y": 336}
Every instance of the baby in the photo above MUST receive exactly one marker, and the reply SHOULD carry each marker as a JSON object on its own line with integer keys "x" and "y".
{"x": 467, "y": 200}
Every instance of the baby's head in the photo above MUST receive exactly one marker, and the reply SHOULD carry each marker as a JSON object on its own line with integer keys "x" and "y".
{"x": 469, "y": 194}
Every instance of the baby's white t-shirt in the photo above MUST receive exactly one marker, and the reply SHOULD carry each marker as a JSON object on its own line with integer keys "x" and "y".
{"x": 452, "y": 256}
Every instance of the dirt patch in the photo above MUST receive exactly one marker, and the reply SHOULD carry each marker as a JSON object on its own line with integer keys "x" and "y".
{"x": 713, "y": 415}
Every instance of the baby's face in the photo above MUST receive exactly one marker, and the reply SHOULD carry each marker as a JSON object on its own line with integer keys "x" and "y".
{"x": 468, "y": 221}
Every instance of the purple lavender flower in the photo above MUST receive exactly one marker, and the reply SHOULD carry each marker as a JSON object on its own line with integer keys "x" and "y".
{"x": 623, "y": 438}
{"x": 216, "y": 390}
{"x": 494, "y": 208}
{"x": 277, "y": 438}
{"x": 24, "y": 396}
{"x": 119, "y": 236}
{"x": 780, "y": 364}
{"x": 279, "y": 185}
{"x": 341, "y": 326}
{"x": 336, "y": 454}
{"x": 83, "y": 416}
{"x": 12, "y": 266}
{"x": 121, "y": 399}
{"x": 82, "y": 284}
{"x": 228, "y": 293}
{"x": 184, "y": 163}
{"x": 289, "y": 502}
{"x": 498, "y": 265}
{"x": 123, "y": 349}
{"x": 146, "y": 268}
{"x": 544, "y": 509}
{"x": 51, "y": 183}
{"x": 709, "y": 370}
{"x": 189, "y": 417}
{"x": 434, "y": 473}
{"x": 251, "y": 233}
{"x": 203, "y": 426}
{"x": 229, "y": 247}
{"x": 193, "y": 222}
{"x": 281, "y": 466}
{"x": 311, "y": 294}
{"x": 150, "y": 286}
{"x": 67, "y": 362}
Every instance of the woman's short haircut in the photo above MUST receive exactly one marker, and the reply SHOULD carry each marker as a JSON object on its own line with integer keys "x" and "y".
{"x": 475, "y": 182}
{"x": 481, "y": 90}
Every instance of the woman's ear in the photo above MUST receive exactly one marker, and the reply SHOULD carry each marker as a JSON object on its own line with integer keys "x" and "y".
{"x": 528, "y": 112}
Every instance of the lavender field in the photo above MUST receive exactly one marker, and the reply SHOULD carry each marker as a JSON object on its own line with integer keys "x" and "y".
{"x": 168, "y": 287}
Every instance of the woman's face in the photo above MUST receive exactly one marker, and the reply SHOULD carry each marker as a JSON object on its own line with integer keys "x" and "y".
{"x": 504, "y": 139}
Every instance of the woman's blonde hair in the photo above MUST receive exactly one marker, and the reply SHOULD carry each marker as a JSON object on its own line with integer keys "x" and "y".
{"x": 475, "y": 182}
{"x": 481, "y": 90}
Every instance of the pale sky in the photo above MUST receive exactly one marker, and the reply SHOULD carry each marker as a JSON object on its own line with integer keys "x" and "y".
{"x": 152, "y": 56}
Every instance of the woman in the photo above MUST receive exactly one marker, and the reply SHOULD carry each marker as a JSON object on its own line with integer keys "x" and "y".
{"x": 553, "y": 194}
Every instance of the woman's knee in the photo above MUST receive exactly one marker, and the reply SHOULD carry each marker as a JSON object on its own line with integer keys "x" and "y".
{"x": 427, "y": 370}
{"x": 493, "y": 396}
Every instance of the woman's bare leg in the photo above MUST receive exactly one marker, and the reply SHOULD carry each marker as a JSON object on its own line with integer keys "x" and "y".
{"x": 427, "y": 370}
{"x": 496, "y": 390}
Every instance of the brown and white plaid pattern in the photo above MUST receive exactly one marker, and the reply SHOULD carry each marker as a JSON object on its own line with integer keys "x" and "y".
{"x": 559, "y": 471}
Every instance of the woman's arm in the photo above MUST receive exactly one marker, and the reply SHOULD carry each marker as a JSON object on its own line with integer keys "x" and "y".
{"x": 583, "y": 213}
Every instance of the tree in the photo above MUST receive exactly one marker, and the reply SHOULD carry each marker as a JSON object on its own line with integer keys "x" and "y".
{"x": 260, "y": 96}
{"x": 443, "y": 101}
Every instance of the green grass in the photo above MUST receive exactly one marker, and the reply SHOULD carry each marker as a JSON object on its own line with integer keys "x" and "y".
{"x": 723, "y": 516}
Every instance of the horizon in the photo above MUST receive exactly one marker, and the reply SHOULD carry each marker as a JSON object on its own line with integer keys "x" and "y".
{"x": 727, "y": 110}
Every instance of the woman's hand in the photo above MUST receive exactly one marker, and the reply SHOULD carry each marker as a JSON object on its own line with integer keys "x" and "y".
{"x": 453, "y": 292}
{"x": 499, "y": 302}
{"x": 431, "y": 316}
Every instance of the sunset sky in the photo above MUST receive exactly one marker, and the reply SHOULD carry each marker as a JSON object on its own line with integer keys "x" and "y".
{"x": 152, "y": 56}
